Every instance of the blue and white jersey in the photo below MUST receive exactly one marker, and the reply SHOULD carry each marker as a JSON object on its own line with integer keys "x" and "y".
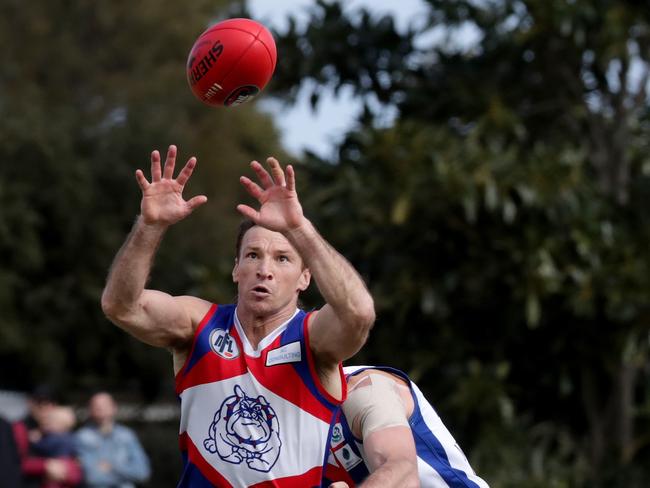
{"x": 441, "y": 462}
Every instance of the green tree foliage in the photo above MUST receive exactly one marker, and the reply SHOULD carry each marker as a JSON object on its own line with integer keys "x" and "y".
{"x": 501, "y": 220}
{"x": 87, "y": 90}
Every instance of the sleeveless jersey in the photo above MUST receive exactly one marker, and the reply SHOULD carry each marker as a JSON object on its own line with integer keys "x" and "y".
{"x": 252, "y": 417}
{"x": 441, "y": 462}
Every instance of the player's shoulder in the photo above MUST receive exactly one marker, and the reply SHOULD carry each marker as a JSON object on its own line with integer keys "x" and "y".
{"x": 197, "y": 308}
{"x": 360, "y": 374}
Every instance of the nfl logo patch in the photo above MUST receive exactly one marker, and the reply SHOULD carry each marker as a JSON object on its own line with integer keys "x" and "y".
{"x": 224, "y": 345}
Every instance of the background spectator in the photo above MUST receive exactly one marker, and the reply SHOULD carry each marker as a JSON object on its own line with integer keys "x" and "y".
{"x": 40, "y": 469}
{"x": 56, "y": 441}
{"x": 110, "y": 453}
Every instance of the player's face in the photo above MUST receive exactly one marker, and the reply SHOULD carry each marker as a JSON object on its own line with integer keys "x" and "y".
{"x": 269, "y": 272}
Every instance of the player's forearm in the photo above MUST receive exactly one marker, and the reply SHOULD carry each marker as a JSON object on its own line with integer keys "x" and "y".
{"x": 393, "y": 474}
{"x": 338, "y": 282}
{"x": 130, "y": 270}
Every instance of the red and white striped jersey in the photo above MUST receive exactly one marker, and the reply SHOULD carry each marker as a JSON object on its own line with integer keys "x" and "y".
{"x": 252, "y": 417}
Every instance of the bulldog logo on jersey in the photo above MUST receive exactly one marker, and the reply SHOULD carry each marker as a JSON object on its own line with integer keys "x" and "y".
{"x": 224, "y": 345}
{"x": 245, "y": 429}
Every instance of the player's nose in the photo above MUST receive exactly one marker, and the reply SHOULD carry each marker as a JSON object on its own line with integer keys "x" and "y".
{"x": 264, "y": 269}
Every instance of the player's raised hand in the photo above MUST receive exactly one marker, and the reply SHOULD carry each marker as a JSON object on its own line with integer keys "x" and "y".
{"x": 280, "y": 209}
{"x": 162, "y": 198}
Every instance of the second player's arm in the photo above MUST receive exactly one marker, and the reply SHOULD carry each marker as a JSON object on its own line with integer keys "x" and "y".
{"x": 391, "y": 456}
{"x": 378, "y": 408}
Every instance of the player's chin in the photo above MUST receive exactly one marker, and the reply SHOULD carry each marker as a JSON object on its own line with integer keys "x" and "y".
{"x": 261, "y": 306}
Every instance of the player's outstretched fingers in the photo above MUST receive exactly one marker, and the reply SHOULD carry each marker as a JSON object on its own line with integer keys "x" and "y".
{"x": 262, "y": 174}
{"x": 248, "y": 212}
{"x": 197, "y": 201}
{"x": 186, "y": 172}
{"x": 155, "y": 166}
{"x": 170, "y": 162}
{"x": 276, "y": 171}
{"x": 291, "y": 178}
{"x": 141, "y": 179}
{"x": 252, "y": 188}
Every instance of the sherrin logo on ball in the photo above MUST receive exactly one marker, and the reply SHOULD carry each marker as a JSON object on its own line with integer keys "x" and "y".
{"x": 231, "y": 62}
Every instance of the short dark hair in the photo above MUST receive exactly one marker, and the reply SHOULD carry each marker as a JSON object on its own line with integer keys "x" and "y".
{"x": 244, "y": 226}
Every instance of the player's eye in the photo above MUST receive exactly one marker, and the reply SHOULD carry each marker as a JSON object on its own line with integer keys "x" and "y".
{"x": 283, "y": 259}
{"x": 251, "y": 255}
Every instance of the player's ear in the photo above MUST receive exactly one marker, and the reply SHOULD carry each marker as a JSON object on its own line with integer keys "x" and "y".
{"x": 235, "y": 271}
{"x": 304, "y": 280}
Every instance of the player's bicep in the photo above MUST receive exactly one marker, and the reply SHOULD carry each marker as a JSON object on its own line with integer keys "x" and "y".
{"x": 159, "y": 319}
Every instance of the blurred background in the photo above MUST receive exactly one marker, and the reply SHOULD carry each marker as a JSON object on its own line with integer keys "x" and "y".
{"x": 485, "y": 165}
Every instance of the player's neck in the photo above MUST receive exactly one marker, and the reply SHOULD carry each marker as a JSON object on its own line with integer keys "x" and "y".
{"x": 258, "y": 326}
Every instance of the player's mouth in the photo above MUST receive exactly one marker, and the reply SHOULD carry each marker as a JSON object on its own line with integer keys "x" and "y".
{"x": 261, "y": 291}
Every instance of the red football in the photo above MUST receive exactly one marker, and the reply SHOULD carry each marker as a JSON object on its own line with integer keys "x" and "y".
{"x": 231, "y": 62}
